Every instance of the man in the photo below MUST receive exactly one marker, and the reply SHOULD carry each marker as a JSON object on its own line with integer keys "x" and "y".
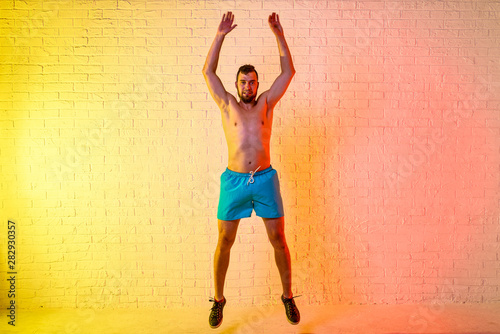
{"x": 249, "y": 182}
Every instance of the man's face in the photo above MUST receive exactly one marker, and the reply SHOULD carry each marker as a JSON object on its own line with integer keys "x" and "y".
{"x": 247, "y": 86}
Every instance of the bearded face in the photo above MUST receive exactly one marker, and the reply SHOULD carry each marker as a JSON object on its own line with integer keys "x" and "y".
{"x": 247, "y": 86}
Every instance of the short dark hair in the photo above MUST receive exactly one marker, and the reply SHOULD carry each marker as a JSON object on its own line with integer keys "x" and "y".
{"x": 245, "y": 69}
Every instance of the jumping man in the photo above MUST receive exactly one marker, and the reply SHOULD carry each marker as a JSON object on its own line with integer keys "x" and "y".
{"x": 249, "y": 182}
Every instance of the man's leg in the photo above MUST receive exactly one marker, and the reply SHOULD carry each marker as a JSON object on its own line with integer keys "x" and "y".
{"x": 276, "y": 232}
{"x": 227, "y": 235}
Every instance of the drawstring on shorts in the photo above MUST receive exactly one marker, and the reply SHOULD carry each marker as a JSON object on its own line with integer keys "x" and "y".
{"x": 250, "y": 179}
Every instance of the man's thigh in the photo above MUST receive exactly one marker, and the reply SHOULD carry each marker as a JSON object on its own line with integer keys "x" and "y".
{"x": 267, "y": 199}
{"x": 275, "y": 227}
{"x": 228, "y": 228}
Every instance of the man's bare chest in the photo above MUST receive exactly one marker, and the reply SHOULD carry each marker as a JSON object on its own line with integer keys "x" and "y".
{"x": 248, "y": 121}
{"x": 251, "y": 120}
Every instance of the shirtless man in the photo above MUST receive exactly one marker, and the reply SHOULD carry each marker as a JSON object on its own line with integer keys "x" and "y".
{"x": 249, "y": 182}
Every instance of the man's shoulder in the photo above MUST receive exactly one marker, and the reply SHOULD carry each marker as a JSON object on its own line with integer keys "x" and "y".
{"x": 227, "y": 103}
{"x": 262, "y": 99}
{"x": 231, "y": 98}
{"x": 263, "y": 96}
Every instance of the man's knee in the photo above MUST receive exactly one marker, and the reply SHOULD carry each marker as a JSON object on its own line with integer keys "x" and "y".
{"x": 226, "y": 241}
{"x": 227, "y": 234}
{"x": 277, "y": 238}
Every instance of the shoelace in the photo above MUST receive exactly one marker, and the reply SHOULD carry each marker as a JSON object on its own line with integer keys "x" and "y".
{"x": 217, "y": 306}
{"x": 288, "y": 305}
{"x": 251, "y": 180}
{"x": 294, "y": 297}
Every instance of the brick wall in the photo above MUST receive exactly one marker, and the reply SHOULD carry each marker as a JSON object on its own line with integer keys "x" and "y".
{"x": 386, "y": 143}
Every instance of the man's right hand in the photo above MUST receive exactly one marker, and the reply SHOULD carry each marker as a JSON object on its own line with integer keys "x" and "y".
{"x": 215, "y": 86}
{"x": 226, "y": 25}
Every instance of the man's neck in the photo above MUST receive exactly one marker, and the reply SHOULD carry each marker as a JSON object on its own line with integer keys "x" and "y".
{"x": 249, "y": 105}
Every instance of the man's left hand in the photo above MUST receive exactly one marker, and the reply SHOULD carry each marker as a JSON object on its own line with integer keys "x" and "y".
{"x": 274, "y": 23}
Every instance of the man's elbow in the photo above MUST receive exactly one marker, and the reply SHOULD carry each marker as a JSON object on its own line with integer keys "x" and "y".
{"x": 207, "y": 70}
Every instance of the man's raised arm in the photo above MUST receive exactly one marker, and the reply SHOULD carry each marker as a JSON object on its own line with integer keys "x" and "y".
{"x": 281, "y": 83}
{"x": 214, "y": 84}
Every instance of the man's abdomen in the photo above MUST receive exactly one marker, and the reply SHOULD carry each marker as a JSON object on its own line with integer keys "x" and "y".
{"x": 247, "y": 159}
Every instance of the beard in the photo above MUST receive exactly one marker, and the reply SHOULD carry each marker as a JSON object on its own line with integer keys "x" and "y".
{"x": 247, "y": 98}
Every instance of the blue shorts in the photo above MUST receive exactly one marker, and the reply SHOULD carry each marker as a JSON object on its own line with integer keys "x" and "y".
{"x": 240, "y": 193}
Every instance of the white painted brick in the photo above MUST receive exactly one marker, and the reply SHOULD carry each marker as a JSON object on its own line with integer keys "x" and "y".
{"x": 107, "y": 144}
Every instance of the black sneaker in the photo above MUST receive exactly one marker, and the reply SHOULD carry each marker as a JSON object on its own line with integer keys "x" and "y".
{"x": 292, "y": 312}
{"x": 215, "y": 318}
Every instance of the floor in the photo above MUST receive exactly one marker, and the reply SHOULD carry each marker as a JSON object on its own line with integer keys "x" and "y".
{"x": 338, "y": 319}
